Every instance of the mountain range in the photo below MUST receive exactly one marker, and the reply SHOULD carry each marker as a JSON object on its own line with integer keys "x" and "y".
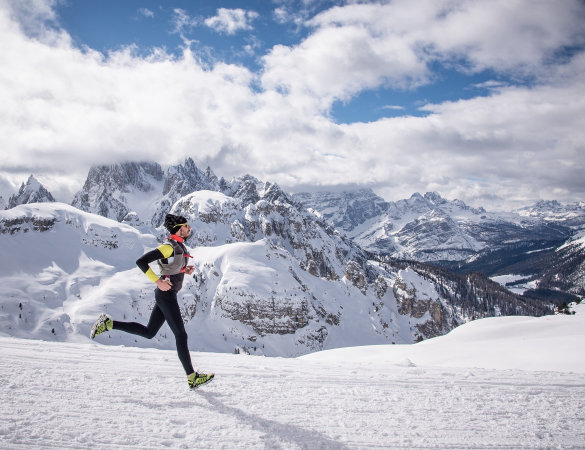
{"x": 527, "y": 248}
{"x": 430, "y": 228}
{"x": 276, "y": 274}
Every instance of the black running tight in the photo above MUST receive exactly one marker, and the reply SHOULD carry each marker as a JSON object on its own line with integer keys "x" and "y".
{"x": 166, "y": 308}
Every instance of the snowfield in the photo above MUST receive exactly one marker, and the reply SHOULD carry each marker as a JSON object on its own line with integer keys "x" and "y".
{"x": 509, "y": 382}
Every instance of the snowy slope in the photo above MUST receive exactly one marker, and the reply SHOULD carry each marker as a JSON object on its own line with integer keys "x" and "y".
{"x": 58, "y": 264}
{"x": 495, "y": 383}
{"x": 521, "y": 343}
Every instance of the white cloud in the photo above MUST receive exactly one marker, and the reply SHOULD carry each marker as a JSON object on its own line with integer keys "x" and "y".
{"x": 281, "y": 15}
{"x": 230, "y": 21}
{"x": 63, "y": 109}
{"x": 367, "y": 45}
{"x": 519, "y": 143}
{"x": 182, "y": 21}
{"x": 146, "y": 12}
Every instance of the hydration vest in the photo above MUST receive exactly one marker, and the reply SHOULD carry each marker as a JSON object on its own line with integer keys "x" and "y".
{"x": 175, "y": 264}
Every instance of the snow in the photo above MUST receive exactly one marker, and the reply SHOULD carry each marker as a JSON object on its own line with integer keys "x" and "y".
{"x": 510, "y": 382}
{"x": 515, "y": 283}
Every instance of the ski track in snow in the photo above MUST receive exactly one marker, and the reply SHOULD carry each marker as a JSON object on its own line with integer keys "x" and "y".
{"x": 72, "y": 395}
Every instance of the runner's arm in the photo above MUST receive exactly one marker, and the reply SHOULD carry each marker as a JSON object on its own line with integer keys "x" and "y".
{"x": 162, "y": 252}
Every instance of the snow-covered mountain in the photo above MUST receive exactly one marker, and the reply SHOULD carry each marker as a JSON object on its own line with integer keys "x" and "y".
{"x": 270, "y": 279}
{"x": 429, "y": 227}
{"x": 108, "y": 189}
{"x": 30, "y": 192}
{"x": 140, "y": 193}
{"x": 422, "y": 228}
{"x": 572, "y": 214}
{"x": 57, "y": 257}
{"x": 530, "y": 250}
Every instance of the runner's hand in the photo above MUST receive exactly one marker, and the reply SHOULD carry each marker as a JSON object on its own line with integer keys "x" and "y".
{"x": 164, "y": 285}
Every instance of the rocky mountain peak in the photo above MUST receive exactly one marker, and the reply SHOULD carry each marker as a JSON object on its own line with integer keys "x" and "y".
{"x": 185, "y": 178}
{"x": 272, "y": 192}
{"x": 107, "y": 186}
{"x": 246, "y": 188}
{"x": 30, "y": 192}
{"x": 122, "y": 176}
{"x": 435, "y": 198}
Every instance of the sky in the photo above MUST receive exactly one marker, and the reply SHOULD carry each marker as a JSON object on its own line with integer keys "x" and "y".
{"x": 480, "y": 101}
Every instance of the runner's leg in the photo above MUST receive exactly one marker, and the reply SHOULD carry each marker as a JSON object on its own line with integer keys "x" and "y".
{"x": 168, "y": 304}
{"x": 149, "y": 331}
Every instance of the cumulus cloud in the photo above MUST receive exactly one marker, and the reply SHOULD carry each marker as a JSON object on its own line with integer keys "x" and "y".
{"x": 365, "y": 45}
{"x": 230, "y": 21}
{"x": 63, "y": 108}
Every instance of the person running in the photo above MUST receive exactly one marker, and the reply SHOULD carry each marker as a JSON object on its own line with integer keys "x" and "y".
{"x": 172, "y": 257}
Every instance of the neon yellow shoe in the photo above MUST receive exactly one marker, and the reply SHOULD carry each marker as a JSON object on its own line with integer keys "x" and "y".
{"x": 197, "y": 379}
{"x": 104, "y": 323}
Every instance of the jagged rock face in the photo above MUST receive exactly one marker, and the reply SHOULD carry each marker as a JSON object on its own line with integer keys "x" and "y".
{"x": 260, "y": 285}
{"x": 354, "y": 273}
{"x": 26, "y": 224}
{"x": 245, "y": 188}
{"x": 3, "y": 204}
{"x": 418, "y": 300}
{"x": 107, "y": 187}
{"x": 122, "y": 177}
{"x": 30, "y": 192}
{"x": 183, "y": 179}
{"x": 274, "y": 315}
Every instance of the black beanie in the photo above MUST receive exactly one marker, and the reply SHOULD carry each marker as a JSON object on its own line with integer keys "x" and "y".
{"x": 173, "y": 223}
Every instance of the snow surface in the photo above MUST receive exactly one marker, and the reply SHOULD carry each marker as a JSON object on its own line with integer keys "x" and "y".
{"x": 509, "y": 382}
{"x": 515, "y": 283}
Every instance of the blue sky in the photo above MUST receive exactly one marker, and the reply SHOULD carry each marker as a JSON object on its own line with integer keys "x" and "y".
{"x": 110, "y": 25}
{"x": 481, "y": 101}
